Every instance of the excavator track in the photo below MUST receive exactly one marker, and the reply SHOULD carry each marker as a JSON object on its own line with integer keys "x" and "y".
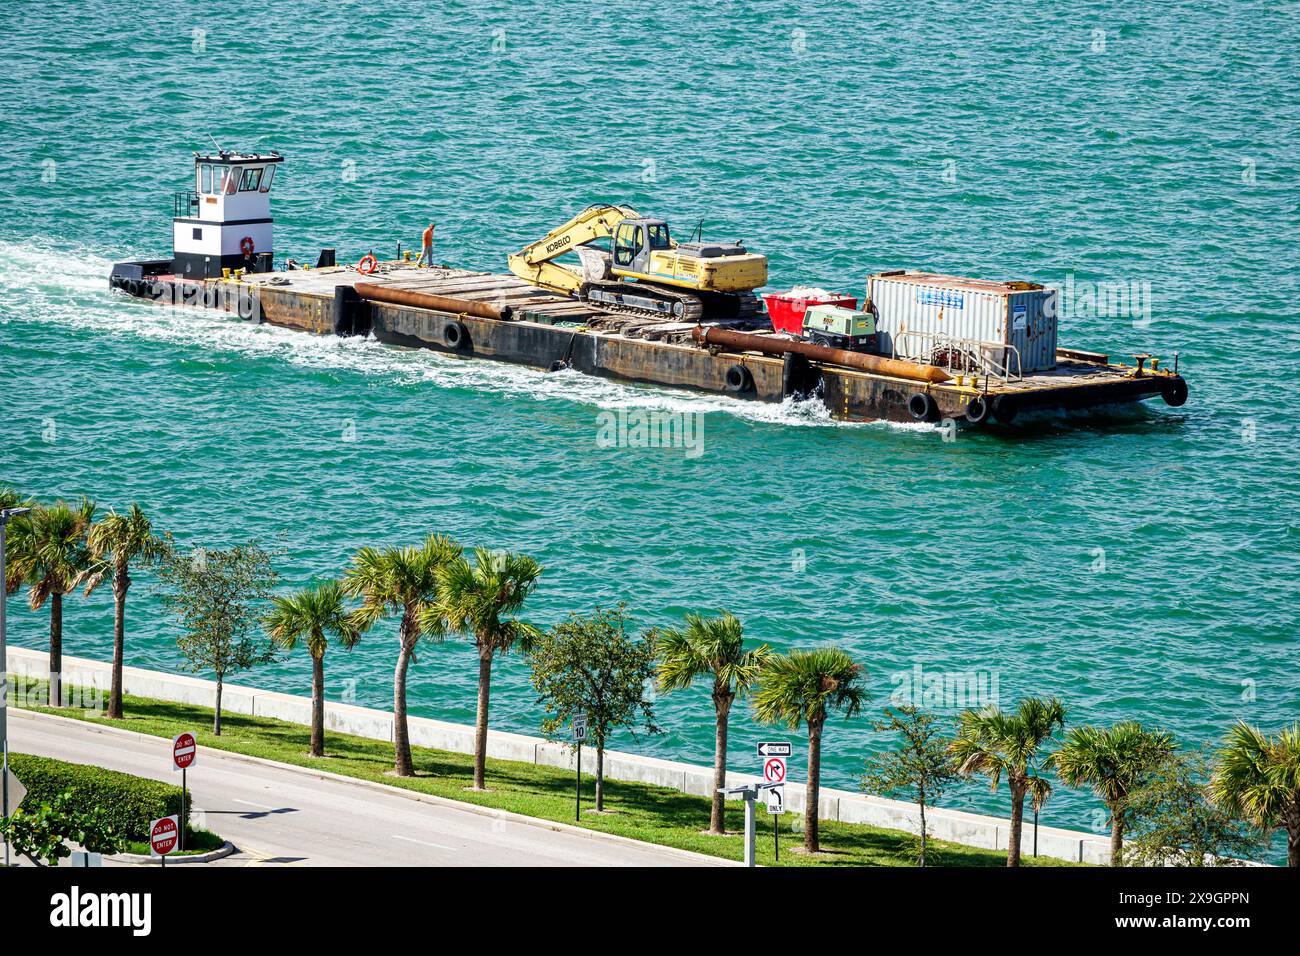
{"x": 644, "y": 300}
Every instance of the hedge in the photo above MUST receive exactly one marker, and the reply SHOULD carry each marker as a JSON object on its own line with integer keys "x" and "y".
{"x": 130, "y": 802}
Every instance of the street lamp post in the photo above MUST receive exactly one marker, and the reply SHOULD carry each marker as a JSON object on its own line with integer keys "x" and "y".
{"x": 5, "y": 515}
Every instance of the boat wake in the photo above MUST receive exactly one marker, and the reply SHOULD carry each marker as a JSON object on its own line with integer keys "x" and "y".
{"x": 45, "y": 282}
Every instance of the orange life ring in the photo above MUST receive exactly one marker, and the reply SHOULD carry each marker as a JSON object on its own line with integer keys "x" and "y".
{"x": 246, "y": 246}
{"x": 367, "y": 265}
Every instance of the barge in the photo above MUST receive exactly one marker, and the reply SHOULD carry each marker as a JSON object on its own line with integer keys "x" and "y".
{"x": 222, "y": 259}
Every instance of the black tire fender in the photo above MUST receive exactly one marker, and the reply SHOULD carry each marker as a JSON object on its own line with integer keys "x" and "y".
{"x": 977, "y": 410}
{"x": 921, "y": 406}
{"x": 1004, "y": 410}
{"x": 455, "y": 335}
{"x": 739, "y": 379}
{"x": 1174, "y": 392}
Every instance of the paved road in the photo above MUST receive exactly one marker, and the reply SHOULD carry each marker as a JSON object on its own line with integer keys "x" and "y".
{"x": 277, "y": 815}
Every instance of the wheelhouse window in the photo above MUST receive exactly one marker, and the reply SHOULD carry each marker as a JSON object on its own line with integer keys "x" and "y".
{"x": 205, "y": 178}
{"x": 219, "y": 174}
{"x": 232, "y": 181}
{"x": 252, "y": 179}
{"x": 267, "y": 177}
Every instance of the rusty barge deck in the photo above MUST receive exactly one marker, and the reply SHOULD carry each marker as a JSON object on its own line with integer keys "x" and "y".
{"x": 548, "y": 331}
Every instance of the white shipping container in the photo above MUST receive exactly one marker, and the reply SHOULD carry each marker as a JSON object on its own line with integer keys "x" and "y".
{"x": 916, "y": 310}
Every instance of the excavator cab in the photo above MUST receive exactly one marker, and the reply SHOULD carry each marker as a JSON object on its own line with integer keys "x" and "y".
{"x": 635, "y": 239}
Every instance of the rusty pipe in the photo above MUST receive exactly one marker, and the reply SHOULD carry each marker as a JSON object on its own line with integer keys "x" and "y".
{"x": 897, "y": 368}
{"x": 427, "y": 300}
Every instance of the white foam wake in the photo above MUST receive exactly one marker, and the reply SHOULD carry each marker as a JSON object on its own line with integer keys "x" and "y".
{"x": 45, "y": 282}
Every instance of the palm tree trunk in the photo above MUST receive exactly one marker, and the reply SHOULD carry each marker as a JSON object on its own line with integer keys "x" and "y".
{"x": 56, "y": 649}
{"x": 402, "y": 765}
{"x": 921, "y": 860}
{"x": 717, "y": 815}
{"x": 318, "y": 705}
{"x": 119, "y": 642}
{"x": 1017, "y": 819}
{"x": 600, "y": 778}
{"x": 1293, "y": 843}
{"x": 810, "y": 842}
{"x": 481, "y": 720}
{"x": 216, "y": 708}
{"x": 1116, "y": 838}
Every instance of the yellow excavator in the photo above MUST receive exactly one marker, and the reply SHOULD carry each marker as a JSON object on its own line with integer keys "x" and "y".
{"x": 644, "y": 271}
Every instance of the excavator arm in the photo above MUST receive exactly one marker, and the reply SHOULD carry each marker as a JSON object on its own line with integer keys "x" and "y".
{"x": 535, "y": 263}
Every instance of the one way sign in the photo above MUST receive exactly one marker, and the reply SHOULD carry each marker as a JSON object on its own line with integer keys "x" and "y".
{"x": 774, "y": 749}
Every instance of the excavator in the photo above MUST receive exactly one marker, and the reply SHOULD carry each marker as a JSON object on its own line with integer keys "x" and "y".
{"x": 644, "y": 271}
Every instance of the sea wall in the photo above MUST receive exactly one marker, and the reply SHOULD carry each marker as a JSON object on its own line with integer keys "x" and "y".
{"x": 846, "y": 806}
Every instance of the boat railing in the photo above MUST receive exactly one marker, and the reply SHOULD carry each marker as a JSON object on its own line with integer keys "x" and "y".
{"x": 184, "y": 203}
{"x": 993, "y": 359}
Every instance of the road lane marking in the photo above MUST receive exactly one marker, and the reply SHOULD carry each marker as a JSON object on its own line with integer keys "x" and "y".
{"x": 249, "y": 803}
{"x": 437, "y": 846}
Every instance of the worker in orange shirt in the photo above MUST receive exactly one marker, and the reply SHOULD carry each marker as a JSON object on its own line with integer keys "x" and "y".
{"x": 426, "y": 253}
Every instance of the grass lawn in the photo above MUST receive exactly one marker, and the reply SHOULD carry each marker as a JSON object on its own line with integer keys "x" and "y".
{"x": 643, "y": 812}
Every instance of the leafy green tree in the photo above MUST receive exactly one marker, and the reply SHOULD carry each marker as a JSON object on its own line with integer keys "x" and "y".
{"x": 46, "y": 550}
{"x": 805, "y": 687}
{"x": 475, "y": 600}
{"x": 313, "y": 616}
{"x": 1114, "y": 761}
{"x": 714, "y": 647}
{"x": 919, "y": 769}
{"x": 590, "y": 665}
{"x": 43, "y": 835}
{"x": 1176, "y": 822}
{"x": 116, "y": 542}
{"x": 995, "y": 743}
{"x": 1258, "y": 778}
{"x": 402, "y": 581}
{"x": 215, "y": 595}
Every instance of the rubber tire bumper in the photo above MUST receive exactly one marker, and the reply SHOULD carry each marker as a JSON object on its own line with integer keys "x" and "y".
{"x": 455, "y": 335}
{"x": 977, "y": 410}
{"x": 922, "y": 407}
{"x": 1174, "y": 393}
{"x": 1004, "y": 410}
{"x": 739, "y": 379}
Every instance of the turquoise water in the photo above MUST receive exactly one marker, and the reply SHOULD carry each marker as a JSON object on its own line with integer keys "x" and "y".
{"x": 1160, "y": 155}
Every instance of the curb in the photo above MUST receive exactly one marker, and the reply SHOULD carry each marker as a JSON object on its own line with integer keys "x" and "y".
{"x": 418, "y": 797}
{"x": 141, "y": 859}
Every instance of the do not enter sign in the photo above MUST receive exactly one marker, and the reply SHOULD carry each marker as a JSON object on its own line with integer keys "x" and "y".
{"x": 184, "y": 751}
{"x": 163, "y": 835}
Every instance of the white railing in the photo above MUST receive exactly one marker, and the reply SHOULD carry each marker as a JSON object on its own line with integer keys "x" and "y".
{"x": 958, "y": 355}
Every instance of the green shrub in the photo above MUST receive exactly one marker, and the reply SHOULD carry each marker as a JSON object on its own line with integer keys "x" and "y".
{"x": 130, "y": 803}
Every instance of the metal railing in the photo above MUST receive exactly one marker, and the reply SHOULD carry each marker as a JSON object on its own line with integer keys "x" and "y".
{"x": 185, "y": 204}
{"x": 958, "y": 355}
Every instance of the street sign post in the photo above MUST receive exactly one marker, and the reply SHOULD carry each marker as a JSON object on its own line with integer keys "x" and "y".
{"x": 776, "y": 807}
{"x": 163, "y": 837}
{"x": 185, "y": 752}
{"x": 579, "y": 735}
{"x": 749, "y": 793}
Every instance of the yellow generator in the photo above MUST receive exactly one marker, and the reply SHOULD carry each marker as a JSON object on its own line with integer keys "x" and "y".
{"x": 643, "y": 271}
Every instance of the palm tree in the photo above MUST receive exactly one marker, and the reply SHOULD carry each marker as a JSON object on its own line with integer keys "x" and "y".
{"x": 712, "y": 646}
{"x": 472, "y": 600}
{"x": 116, "y": 542}
{"x": 805, "y": 686}
{"x": 995, "y": 743}
{"x": 313, "y": 615}
{"x": 1258, "y": 777}
{"x": 399, "y": 581}
{"x": 1114, "y": 761}
{"x": 46, "y": 550}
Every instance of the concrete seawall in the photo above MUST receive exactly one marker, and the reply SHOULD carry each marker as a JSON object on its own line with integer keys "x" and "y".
{"x": 846, "y": 806}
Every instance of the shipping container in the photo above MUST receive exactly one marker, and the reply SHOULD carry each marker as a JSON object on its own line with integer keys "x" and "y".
{"x": 922, "y": 314}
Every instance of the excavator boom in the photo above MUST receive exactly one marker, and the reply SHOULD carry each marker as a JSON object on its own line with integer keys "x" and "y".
{"x": 535, "y": 263}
